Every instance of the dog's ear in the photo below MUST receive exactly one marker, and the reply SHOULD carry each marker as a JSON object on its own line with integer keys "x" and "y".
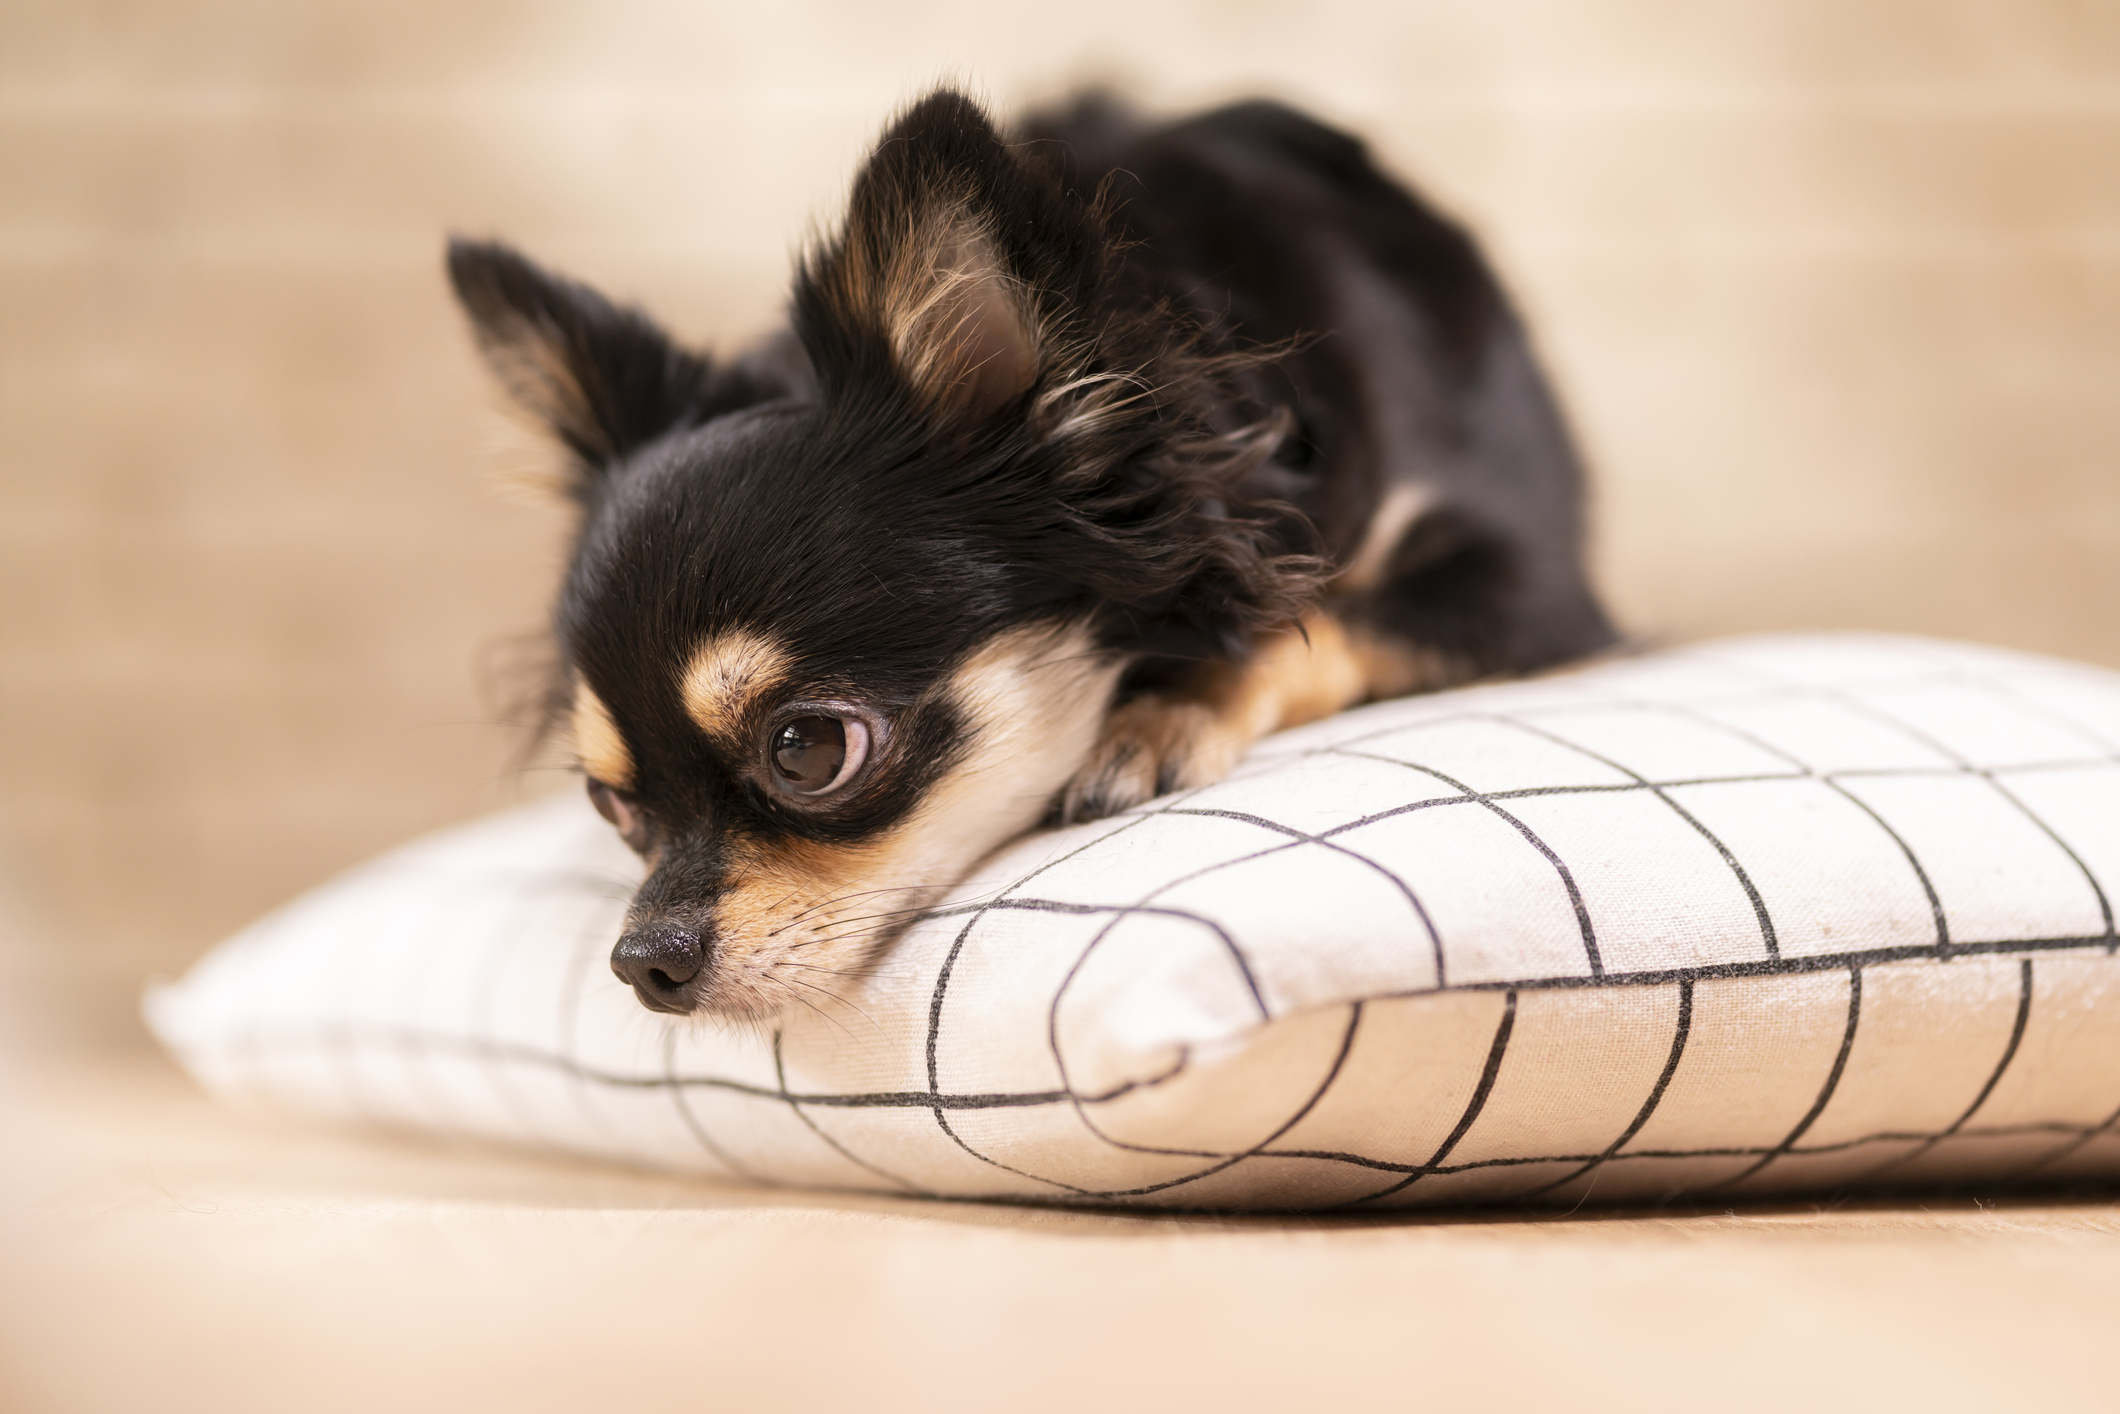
{"x": 956, "y": 273}
{"x": 603, "y": 378}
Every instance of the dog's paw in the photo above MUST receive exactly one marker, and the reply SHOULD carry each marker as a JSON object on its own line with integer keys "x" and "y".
{"x": 1150, "y": 747}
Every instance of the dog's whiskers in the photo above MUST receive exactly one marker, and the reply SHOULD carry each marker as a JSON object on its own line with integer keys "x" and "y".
{"x": 787, "y": 984}
{"x": 858, "y": 974}
{"x": 838, "y": 899}
{"x": 821, "y": 1012}
{"x": 856, "y": 935}
{"x": 833, "y": 996}
{"x": 864, "y": 917}
{"x": 889, "y": 913}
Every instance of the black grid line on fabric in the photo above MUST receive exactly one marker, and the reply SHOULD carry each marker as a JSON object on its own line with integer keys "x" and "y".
{"x": 368, "y": 1038}
{"x": 1952, "y": 669}
{"x": 957, "y": 946}
{"x": 528, "y": 885}
{"x": 1892, "y": 720}
{"x": 2105, "y": 904}
{"x": 2109, "y": 1125}
{"x": 1921, "y": 873}
{"x": 1250, "y": 981}
{"x": 1296, "y": 836}
{"x": 2009, "y": 1053}
{"x": 915, "y": 1100}
{"x": 1141, "y": 907}
{"x": 1221, "y": 1161}
{"x": 1744, "y": 878}
{"x": 1694, "y": 707}
{"x": 1960, "y": 766}
{"x": 780, "y": 1077}
{"x": 1560, "y": 867}
{"x": 1731, "y": 1151}
{"x": 934, "y": 1036}
{"x": 1959, "y": 674}
{"x": 418, "y": 1076}
{"x": 1679, "y": 1034}
{"x": 1166, "y": 1151}
{"x": 949, "y": 965}
{"x": 1832, "y": 780}
{"x": 691, "y": 1121}
{"x": 1339, "y": 1063}
{"x": 357, "y": 1040}
{"x": 2026, "y": 702}
{"x": 1489, "y": 1072}
{"x": 939, "y": 1104}
{"x": 478, "y": 1020}
{"x": 1826, "y": 1091}
{"x": 1787, "y": 965}
{"x": 587, "y": 949}
{"x": 1653, "y": 785}
{"x": 1764, "y": 687}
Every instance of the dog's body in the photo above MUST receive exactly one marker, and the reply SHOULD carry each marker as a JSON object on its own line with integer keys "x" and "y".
{"x": 1087, "y": 461}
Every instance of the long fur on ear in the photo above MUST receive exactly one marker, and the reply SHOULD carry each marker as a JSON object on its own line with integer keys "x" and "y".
{"x": 604, "y": 378}
{"x": 959, "y": 272}
{"x": 957, "y": 323}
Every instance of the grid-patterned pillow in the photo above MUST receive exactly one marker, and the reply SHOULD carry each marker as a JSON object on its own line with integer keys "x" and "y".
{"x": 1767, "y": 914}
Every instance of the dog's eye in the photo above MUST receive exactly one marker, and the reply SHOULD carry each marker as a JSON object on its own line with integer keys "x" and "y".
{"x": 814, "y": 755}
{"x": 624, "y": 815}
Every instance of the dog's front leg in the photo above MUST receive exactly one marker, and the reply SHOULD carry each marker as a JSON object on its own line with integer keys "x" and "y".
{"x": 1193, "y": 734}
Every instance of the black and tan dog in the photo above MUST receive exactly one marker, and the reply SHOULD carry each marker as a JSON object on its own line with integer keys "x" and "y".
{"x": 1090, "y": 457}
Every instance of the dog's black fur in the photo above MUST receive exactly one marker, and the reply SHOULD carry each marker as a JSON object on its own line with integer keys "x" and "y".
{"x": 1144, "y": 397}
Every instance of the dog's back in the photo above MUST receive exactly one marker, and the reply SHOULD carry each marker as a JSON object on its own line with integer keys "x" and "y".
{"x": 1429, "y": 459}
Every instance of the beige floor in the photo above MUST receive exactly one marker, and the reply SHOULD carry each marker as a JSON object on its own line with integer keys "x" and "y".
{"x": 163, "y": 1255}
{"x": 1834, "y": 292}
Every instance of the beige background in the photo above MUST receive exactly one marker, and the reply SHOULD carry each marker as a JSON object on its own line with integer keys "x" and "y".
{"x": 1832, "y": 286}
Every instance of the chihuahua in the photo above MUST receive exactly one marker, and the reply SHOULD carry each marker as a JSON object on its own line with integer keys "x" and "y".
{"x": 1092, "y": 453}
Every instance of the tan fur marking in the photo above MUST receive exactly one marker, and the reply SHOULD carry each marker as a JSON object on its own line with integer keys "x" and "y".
{"x": 597, "y": 742}
{"x": 1395, "y": 514}
{"x": 1297, "y": 677}
{"x": 1396, "y": 668}
{"x": 727, "y": 675}
{"x": 533, "y": 368}
{"x": 779, "y": 911}
{"x": 1183, "y": 740}
{"x": 799, "y": 921}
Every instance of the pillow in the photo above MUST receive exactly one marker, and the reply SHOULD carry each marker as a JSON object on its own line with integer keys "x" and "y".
{"x": 1765, "y": 915}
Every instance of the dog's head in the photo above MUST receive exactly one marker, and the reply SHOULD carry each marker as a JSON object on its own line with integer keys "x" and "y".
{"x": 846, "y": 615}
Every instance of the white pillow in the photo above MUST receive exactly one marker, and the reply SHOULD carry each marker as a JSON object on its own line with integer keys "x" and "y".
{"x": 1767, "y": 914}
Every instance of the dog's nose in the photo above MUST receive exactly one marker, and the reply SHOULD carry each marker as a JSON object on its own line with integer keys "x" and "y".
{"x": 656, "y": 962}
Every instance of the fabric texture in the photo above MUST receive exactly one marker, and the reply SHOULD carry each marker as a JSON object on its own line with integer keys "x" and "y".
{"x": 1764, "y": 915}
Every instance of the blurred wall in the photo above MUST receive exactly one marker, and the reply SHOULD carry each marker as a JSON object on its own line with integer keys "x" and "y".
{"x": 1833, "y": 287}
